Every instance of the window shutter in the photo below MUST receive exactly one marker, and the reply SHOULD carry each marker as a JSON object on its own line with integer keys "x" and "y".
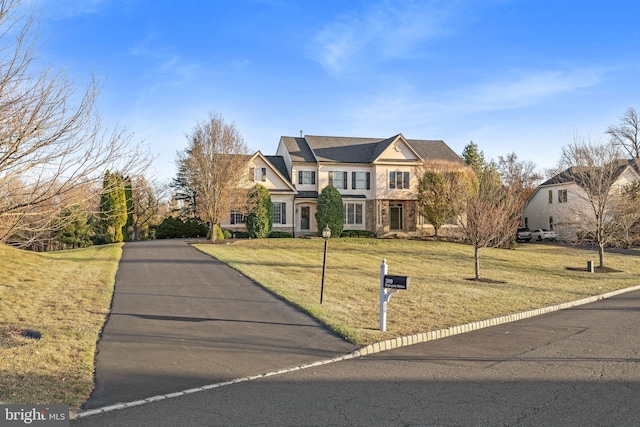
{"x": 345, "y": 175}
{"x": 368, "y": 180}
{"x": 331, "y": 178}
{"x": 313, "y": 177}
{"x": 299, "y": 177}
{"x": 284, "y": 213}
{"x": 233, "y": 217}
{"x": 353, "y": 180}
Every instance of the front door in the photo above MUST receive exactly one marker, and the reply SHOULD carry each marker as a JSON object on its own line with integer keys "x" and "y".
{"x": 396, "y": 216}
{"x": 304, "y": 218}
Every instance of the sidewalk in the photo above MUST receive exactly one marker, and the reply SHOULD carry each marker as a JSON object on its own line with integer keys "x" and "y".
{"x": 181, "y": 319}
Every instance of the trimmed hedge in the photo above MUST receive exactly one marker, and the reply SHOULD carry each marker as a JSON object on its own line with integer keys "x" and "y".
{"x": 358, "y": 233}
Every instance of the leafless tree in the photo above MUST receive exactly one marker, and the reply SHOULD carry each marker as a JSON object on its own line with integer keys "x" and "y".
{"x": 214, "y": 167}
{"x": 595, "y": 167}
{"x": 52, "y": 143}
{"x": 625, "y": 135}
{"x": 491, "y": 214}
{"x": 149, "y": 205}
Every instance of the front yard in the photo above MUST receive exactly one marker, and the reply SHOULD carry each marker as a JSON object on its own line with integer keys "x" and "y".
{"x": 441, "y": 294}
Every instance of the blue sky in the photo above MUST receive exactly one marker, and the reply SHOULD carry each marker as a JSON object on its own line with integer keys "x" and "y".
{"x": 512, "y": 75}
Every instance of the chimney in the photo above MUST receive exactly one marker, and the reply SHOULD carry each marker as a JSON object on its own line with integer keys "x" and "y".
{"x": 301, "y": 134}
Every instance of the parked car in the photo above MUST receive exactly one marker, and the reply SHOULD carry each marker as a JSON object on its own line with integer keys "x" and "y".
{"x": 523, "y": 234}
{"x": 540, "y": 234}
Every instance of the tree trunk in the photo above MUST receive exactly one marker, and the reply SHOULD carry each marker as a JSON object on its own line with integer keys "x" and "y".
{"x": 601, "y": 254}
{"x": 476, "y": 256}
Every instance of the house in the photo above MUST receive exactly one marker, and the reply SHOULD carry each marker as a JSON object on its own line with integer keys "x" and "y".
{"x": 561, "y": 203}
{"x": 375, "y": 177}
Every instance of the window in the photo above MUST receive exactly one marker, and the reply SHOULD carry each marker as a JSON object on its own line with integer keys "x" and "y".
{"x": 550, "y": 196}
{"x": 237, "y": 217}
{"x": 279, "y": 213}
{"x": 360, "y": 180}
{"x": 562, "y": 196}
{"x": 338, "y": 179}
{"x": 307, "y": 177}
{"x": 353, "y": 213}
{"x": 399, "y": 180}
{"x": 259, "y": 174}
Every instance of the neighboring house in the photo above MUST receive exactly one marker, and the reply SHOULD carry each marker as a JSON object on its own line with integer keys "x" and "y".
{"x": 561, "y": 203}
{"x": 376, "y": 178}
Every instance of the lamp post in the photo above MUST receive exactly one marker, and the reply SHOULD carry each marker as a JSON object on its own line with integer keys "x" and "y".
{"x": 326, "y": 233}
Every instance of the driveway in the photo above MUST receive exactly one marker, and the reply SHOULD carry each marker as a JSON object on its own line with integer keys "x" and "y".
{"x": 181, "y": 319}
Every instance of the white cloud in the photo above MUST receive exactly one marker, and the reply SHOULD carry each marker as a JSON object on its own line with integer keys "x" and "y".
{"x": 527, "y": 89}
{"x": 402, "y": 106}
{"x": 385, "y": 30}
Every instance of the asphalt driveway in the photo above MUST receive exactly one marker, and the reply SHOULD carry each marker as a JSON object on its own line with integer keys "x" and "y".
{"x": 181, "y": 319}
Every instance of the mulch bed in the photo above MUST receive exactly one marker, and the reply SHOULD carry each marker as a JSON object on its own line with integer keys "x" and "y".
{"x": 596, "y": 269}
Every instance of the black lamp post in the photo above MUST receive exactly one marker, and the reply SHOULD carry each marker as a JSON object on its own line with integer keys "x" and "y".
{"x": 326, "y": 233}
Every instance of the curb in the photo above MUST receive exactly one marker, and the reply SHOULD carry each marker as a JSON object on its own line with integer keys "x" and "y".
{"x": 367, "y": 350}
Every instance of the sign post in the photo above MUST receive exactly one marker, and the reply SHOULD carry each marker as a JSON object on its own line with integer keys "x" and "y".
{"x": 388, "y": 286}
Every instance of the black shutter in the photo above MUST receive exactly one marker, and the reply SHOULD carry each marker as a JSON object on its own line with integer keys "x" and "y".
{"x": 368, "y": 180}
{"x": 345, "y": 175}
{"x": 313, "y": 177}
{"x": 284, "y": 213}
{"x": 353, "y": 180}
{"x": 299, "y": 177}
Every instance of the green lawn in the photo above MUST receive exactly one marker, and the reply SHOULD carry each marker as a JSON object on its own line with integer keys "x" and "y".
{"x": 65, "y": 296}
{"x": 441, "y": 293}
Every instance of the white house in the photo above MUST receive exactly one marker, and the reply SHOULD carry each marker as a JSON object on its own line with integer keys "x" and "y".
{"x": 375, "y": 177}
{"x": 561, "y": 203}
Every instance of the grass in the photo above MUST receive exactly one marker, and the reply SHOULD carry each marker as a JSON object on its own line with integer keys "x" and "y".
{"x": 441, "y": 294}
{"x": 64, "y": 296}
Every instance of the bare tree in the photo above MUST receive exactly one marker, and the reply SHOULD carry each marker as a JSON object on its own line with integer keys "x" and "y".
{"x": 214, "y": 167}
{"x": 52, "y": 143}
{"x": 595, "y": 168}
{"x": 625, "y": 135}
{"x": 491, "y": 214}
{"x": 147, "y": 206}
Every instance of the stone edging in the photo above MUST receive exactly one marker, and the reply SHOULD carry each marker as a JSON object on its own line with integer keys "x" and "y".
{"x": 369, "y": 349}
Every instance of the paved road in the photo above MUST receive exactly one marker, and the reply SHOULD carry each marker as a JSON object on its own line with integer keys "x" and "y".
{"x": 575, "y": 367}
{"x": 181, "y": 319}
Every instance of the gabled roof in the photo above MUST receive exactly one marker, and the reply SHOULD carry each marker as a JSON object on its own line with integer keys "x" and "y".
{"x": 339, "y": 149}
{"x": 279, "y": 165}
{"x": 575, "y": 174}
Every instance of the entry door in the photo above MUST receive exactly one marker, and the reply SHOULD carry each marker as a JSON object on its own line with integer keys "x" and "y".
{"x": 396, "y": 216}
{"x": 304, "y": 218}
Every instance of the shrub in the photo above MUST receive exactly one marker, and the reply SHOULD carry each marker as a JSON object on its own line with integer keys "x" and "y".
{"x": 260, "y": 217}
{"x": 280, "y": 235}
{"x": 358, "y": 233}
{"x": 330, "y": 211}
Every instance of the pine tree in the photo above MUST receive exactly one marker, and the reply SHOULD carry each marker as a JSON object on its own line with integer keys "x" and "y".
{"x": 113, "y": 205}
